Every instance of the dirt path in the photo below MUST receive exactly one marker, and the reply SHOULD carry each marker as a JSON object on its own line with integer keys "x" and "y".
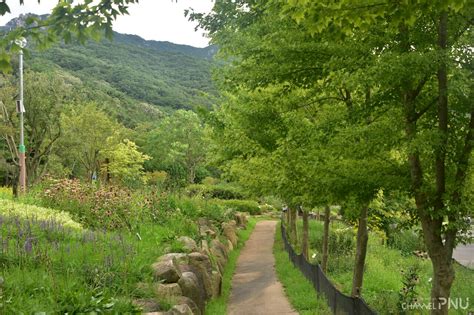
{"x": 255, "y": 288}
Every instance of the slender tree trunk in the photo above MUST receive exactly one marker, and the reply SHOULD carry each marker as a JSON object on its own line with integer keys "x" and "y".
{"x": 361, "y": 251}
{"x": 293, "y": 232}
{"x": 15, "y": 181}
{"x": 305, "y": 245}
{"x": 327, "y": 219}
{"x": 441, "y": 260}
{"x": 440, "y": 253}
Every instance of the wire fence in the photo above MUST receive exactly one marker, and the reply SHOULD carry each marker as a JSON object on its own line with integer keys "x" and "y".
{"x": 338, "y": 302}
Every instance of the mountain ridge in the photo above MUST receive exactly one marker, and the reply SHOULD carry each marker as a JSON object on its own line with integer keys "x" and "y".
{"x": 165, "y": 75}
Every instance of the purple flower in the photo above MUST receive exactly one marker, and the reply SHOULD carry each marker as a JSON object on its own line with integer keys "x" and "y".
{"x": 28, "y": 246}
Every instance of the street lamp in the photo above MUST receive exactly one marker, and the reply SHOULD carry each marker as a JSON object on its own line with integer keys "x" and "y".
{"x": 21, "y": 110}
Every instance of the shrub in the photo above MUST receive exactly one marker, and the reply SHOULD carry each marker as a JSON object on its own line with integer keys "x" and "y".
{"x": 249, "y": 206}
{"x": 221, "y": 191}
{"x": 341, "y": 241}
{"x": 6, "y": 193}
{"x": 104, "y": 207}
{"x": 407, "y": 241}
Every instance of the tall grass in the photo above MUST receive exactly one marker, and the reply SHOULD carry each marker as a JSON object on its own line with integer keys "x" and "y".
{"x": 384, "y": 273}
{"x": 299, "y": 290}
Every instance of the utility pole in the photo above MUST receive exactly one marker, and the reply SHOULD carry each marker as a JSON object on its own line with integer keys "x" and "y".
{"x": 21, "y": 110}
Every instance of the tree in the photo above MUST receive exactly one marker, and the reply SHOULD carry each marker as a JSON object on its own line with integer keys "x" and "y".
{"x": 410, "y": 61}
{"x": 178, "y": 143}
{"x": 87, "y": 133}
{"x": 123, "y": 162}
{"x": 44, "y": 101}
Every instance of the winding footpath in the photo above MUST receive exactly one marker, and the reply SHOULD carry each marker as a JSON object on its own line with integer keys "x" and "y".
{"x": 255, "y": 288}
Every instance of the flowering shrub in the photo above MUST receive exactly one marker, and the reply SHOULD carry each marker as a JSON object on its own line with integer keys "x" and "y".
{"x": 104, "y": 207}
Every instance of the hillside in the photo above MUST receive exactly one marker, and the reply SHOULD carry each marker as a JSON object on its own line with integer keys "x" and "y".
{"x": 133, "y": 70}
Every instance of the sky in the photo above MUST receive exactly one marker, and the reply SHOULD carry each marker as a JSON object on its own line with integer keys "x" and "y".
{"x": 161, "y": 20}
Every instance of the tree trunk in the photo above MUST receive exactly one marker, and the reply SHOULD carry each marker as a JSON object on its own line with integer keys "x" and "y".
{"x": 305, "y": 245}
{"x": 293, "y": 232}
{"x": 361, "y": 251}
{"x": 15, "y": 181}
{"x": 327, "y": 213}
{"x": 441, "y": 260}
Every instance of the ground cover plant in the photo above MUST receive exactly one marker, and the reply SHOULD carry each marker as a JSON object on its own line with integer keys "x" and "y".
{"x": 299, "y": 290}
{"x": 392, "y": 275}
{"x": 82, "y": 259}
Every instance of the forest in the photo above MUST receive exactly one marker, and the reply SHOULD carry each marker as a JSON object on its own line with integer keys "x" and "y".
{"x": 354, "y": 117}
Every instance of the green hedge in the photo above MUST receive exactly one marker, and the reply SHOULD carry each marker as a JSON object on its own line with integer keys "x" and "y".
{"x": 249, "y": 206}
{"x": 221, "y": 191}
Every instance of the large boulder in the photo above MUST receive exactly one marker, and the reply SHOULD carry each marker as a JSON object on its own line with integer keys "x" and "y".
{"x": 189, "y": 284}
{"x": 167, "y": 291}
{"x": 188, "y": 243}
{"x": 166, "y": 270}
{"x": 229, "y": 231}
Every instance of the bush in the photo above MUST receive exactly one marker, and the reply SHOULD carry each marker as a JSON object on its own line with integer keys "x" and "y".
{"x": 101, "y": 208}
{"x": 341, "y": 241}
{"x": 249, "y": 206}
{"x": 221, "y": 191}
{"x": 406, "y": 241}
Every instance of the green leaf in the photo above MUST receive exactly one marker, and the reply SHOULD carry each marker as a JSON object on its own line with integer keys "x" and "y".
{"x": 4, "y": 8}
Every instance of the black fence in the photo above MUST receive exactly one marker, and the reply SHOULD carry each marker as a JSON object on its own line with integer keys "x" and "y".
{"x": 337, "y": 301}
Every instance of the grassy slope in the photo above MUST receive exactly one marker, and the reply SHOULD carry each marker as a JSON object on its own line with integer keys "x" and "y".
{"x": 383, "y": 276}
{"x": 71, "y": 270}
{"x": 300, "y": 291}
{"x": 218, "y": 306}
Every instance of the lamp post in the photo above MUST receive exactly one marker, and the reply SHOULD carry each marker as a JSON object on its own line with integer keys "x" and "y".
{"x": 21, "y": 110}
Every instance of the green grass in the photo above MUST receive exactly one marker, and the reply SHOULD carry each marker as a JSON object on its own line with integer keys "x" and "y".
{"x": 383, "y": 274}
{"x": 49, "y": 266}
{"x": 218, "y": 306}
{"x": 299, "y": 290}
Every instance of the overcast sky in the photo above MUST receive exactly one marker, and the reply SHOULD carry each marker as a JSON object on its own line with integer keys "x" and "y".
{"x": 161, "y": 20}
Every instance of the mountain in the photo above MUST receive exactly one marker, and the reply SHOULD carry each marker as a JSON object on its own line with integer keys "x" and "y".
{"x": 138, "y": 72}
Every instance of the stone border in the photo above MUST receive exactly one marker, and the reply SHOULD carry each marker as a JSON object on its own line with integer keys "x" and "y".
{"x": 189, "y": 280}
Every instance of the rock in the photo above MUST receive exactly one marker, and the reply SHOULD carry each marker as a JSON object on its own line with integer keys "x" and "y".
{"x": 189, "y": 284}
{"x": 241, "y": 219}
{"x": 229, "y": 231}
{"x": 204, "y": 247}
{"x": 201, "y": 265}
{"x": 192, "y": 305}
{"x": 206, "y": 228}
{"x": 219, "y": 251}
{"x": 148, "y": 305}
{"x": 188, "y": 243}
{"x": 166, "y": 271}
{"x": 166, "y": 291}
{"x": 178, "y": 257}
{"x": 230, "y": 246}
{"x": 216, "y": 280}
{"x": 182, "y": 309}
